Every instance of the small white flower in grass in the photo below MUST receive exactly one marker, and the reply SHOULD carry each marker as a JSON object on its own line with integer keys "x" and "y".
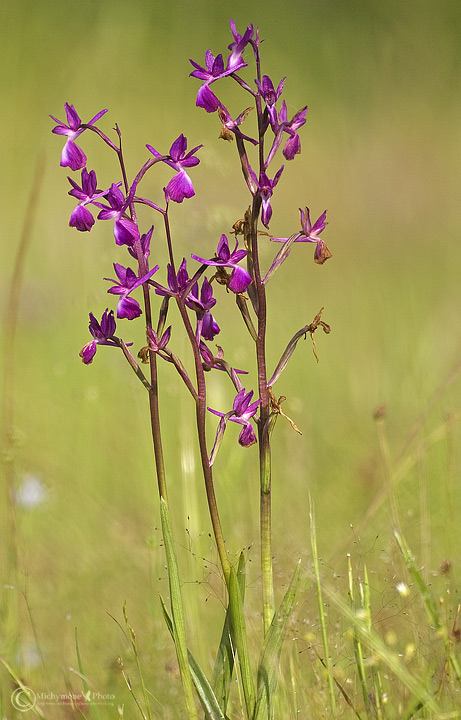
{"x": 403, "y": 589}
{"x": 31, "y": 492}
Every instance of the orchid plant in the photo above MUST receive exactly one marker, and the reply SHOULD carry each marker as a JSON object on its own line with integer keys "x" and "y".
{"x": 191, "y": 284}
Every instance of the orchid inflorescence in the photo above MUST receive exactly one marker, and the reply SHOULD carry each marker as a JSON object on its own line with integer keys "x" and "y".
{"x": 118, "y": 203}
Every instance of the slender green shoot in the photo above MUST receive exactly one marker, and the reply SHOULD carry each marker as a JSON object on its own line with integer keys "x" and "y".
{"x": 86, "y": 687}
{"x": 210, "y": 704}
{"x": 328, "y": 663}
{"x": 23, "y": 695}
{"x": 270, "y": 655}
{"x": 225, "y": 659}
{"x": 240, "y": 639}
{"x": 179, "y": 633}
{"x": 358, "y": 650}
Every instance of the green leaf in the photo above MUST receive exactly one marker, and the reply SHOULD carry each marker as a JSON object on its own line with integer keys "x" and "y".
{"x": 224, "y": 665}
{"x": 86, "y": 688}
{"x": 240, "y": 639}
{"x": 207, "y": 697}
{"x": 28, "y": 702}
{"x": 270, "y": 654}
{"x": 178, "y": 629}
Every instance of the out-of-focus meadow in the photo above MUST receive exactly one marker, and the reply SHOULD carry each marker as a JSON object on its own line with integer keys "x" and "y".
{"x": 381, "y": 152}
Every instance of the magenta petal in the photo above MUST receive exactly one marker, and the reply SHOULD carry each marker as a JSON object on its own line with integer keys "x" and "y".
{"x": 207, "y": 99}
{"x": 72, "y": 117}
{"x": 108, "y": 326}
{"x": 292, "y": 147}
{"x": 247, "y": 436}
{"x": 178, "y": 148}
{"x": 72, "y": 156}
{"x": 239, "y": 280}
{"x": 180, "y": 187}
{"x": 81, "y": 219}
{"x": 320, "y": 224}
{"x": 128, "y": 308}
{"x": 125, "y": 232}
{"x": 266, "y": 213}
{"x": 210, "y": 327}
{"x": 88, "y": 352}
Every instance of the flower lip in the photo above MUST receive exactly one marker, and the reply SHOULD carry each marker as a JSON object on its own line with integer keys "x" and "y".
{"x": 240, "y": 278}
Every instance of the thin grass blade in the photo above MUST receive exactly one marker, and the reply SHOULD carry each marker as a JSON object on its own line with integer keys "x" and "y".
{"x": 179, "y": 633}
{"x": 25, "y": 696}
{"x": 315, "y": 557}
{"x": 86, "y": 688}
{"x": 240, "y": 638}
{"x": 270, "y": 655}
{"x": 224, "y": 665}
{"x": 204, "y": 690}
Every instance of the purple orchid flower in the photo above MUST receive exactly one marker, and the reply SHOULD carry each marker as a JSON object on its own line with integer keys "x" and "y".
{"x": 242, "y": 412}
{"x": 206, "y": 301}
{"x": 155, "y": 343}
{"x": 281, "y": 125}
{"x": 217, "y": 361}
{"x": 214, "y": 68}
{"x": 128, "y": 281}
{"x": 81, "y": 218}
{"x": 103, "y": 334}
{"x": 126, "y": 231}
{"x": 180, "y": 186}
{"x": 145, "y": 245}
{"x": 177, "y": 283}
{"x": 265, "y": 188}
{"x": 309, "y": 233}
{"x": 232, "y": 126}
{"x": 270, "y": 96}
{"x": 239, "y": 279}
{"x": 293, "y": 144}
{"x": 72, "y": 156}
{"x": 207, "y": 327}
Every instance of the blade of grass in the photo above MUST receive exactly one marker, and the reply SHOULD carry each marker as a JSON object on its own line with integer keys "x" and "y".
{"x": 358, "y": 652}
{"x": 132, "y": 638}
{"x": 238, "y": 629}
{"x": 86, "y": 687}
{"x": 210, "y": 704}
{"x": 328, "y": 664}
{"x": 28, "y": 693}
{"x": 270, "y": 654}
{"x": 179, "y": 633}
{"x": 224, "y": 665}
{"x": 365, "y": 599}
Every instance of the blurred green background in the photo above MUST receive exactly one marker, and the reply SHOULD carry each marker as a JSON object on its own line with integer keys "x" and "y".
{"x": 381, "y": 152}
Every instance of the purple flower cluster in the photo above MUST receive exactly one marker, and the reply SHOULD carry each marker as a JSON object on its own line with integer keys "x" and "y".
{"x": 118, "y": 203}
{"x": 283, "y": 129}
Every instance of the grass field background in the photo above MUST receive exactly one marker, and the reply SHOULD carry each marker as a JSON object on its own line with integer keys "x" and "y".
{"x": 381, "y": 152}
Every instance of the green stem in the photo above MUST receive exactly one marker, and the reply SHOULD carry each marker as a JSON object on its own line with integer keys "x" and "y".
{"x": 200, "y": 405}
{"x": 263, "y": 431}
{"x": 266, "y": 554}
